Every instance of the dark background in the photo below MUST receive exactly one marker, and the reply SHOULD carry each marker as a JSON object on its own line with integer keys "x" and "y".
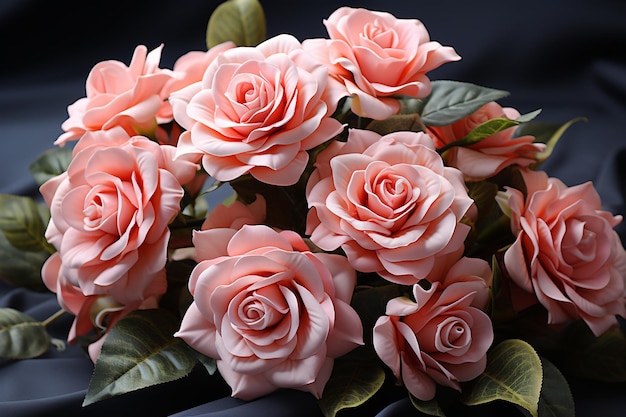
{"x": 567, "y": 57}
{"x": 564, "y": 56}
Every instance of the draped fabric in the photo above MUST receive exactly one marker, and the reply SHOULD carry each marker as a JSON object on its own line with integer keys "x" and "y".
{"x": 567, "y": 58}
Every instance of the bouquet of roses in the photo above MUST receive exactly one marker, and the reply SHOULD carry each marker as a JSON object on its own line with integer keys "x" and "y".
{"x": 382, "y": 228}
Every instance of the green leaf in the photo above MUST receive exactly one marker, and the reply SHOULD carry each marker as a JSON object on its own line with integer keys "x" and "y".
{"x": 548, "y": 133}
{"x": 22, "y": 223}
{"x": 450, "y": 101}
{"x": 525, "y": 118}
{"x": 480, "y": 132}
{"x": 488, "y": 129}
{"x": 430, "y": 408}
{"x": 23, "y": 245}
{"x": 21, "y": 336}
{"x": 21, "y": 269}
{"x": 139, "y": 351}
{"x": 350, "y": 385}
{"x": 556, "y": 399}
{"x": 513, "y": 374}
{"x": 239, "y": 21}
{"x": 51, "y": 164}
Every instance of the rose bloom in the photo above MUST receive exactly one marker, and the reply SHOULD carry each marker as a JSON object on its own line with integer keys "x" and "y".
{"x": 109, "y": 219}
{"x": 438, "y": 339}
{"x": 272, "y": 313}
{"x": 118, "y": 95}
{"x": 492, "y": 154}
{"x": 258, "y": 110}
{"x": 377, "y": 56}
{"x": 116, "y": 136}
{"x": 389, "y": 202}
{"x": 566, "y": 251}
{"x": 188, "y": 69}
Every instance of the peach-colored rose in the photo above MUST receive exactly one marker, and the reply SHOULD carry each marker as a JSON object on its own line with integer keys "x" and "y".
{"x": 272, "y": 313}
{"x": 109, "y": 218}
{"x": 437, "y": 339}
{"x": 389, "y": 202}
{"x": 236, "y": 214}
{"x": 377, "y": 56}
{"x": 566, "y": 251}
{"x": 188, "y": 69}
{"x": 117, "y": 136}
{"x": 491, "y": 155}
{"x": 258, "y": 110}
{"x": 454, "y": 267}
{"x": 92, "y": 312}
{"x": 118, "y": 95}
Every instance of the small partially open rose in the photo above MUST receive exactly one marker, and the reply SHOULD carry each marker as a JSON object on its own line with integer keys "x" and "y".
{"x": 439, "y": 338}
{"x": 492, "y": 154}
{"x": 120, "y": 95}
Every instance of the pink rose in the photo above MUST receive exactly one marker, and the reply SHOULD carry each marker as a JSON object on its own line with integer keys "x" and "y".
{"x": 272, "y": 313}
{"x": 566, "y": 251}
{"x": 438, "y": 339}
{"x": 258, "y": 110}
{"x": 118, "y": 95}
{"x": 389, "y": 202}
{"x": 491, "y": 155}
{"x": 109, "y": 218}
{"x": 236, "y": 214}
{"x": 92, "y": 312}
{"x": 118, "y": 137}
{"x": 188, "y": 69}
{"x": 454, "y": 267}
{"x": 377, "y": 56}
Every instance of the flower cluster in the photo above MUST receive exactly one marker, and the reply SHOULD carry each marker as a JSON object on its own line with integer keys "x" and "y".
{"x": 377, "y": 216}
